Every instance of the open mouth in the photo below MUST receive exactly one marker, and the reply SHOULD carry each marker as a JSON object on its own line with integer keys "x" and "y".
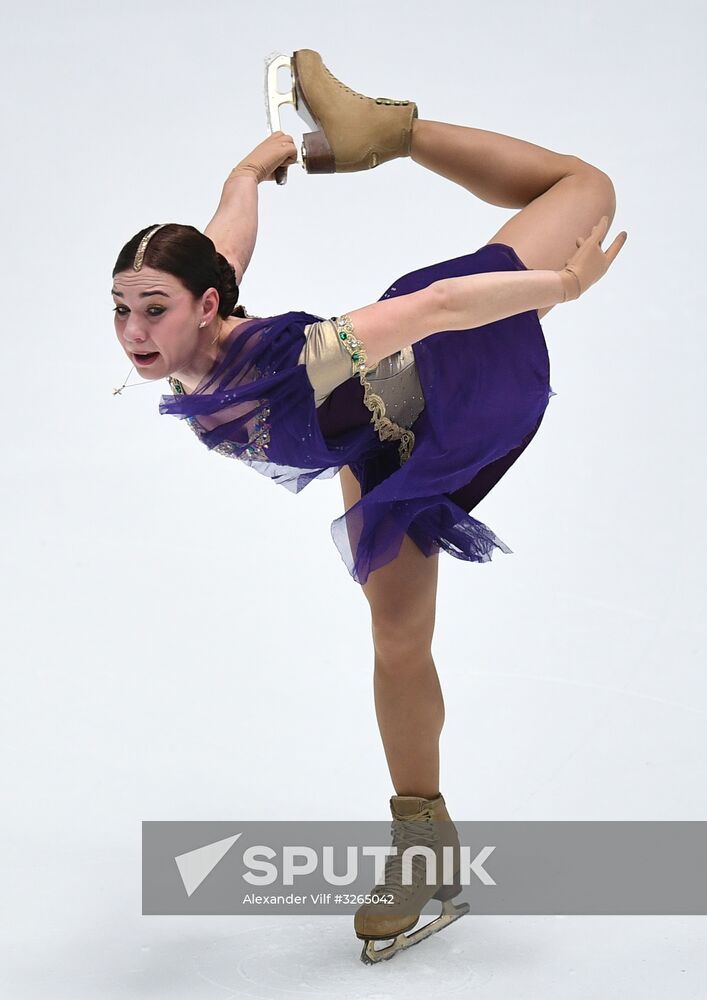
{"x": 146, "y": 359}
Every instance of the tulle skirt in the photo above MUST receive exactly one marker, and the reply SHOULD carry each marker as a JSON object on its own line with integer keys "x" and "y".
{"x": 485, "y": 389}
{"x": 442, "y": 357}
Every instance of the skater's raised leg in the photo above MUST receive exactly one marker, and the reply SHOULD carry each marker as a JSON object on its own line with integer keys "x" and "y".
{"x": 561, "y": 196}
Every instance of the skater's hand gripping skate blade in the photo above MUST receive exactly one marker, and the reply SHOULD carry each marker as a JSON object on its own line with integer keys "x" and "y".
{"x": 589, "y": 262}
{"x": 270, "y": 158}
{"x": 276, "y": 98}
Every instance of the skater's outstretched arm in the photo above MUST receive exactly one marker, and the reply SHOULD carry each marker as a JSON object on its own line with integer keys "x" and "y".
{"x": 234, "y": 227}
{"x": 474, "y": 300}
{"x": 486, "y": 298}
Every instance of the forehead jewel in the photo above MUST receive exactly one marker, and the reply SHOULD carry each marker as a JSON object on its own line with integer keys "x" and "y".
{"x": 137, "y": 263}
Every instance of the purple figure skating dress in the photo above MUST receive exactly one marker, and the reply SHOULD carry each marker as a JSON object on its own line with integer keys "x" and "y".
{"x": 485, "y": 394}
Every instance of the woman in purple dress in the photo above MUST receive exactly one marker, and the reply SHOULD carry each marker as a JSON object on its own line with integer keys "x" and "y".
{"x": 421, "y": 401}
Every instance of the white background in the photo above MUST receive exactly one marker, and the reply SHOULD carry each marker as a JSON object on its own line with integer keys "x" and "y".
{"x": 181, "y": 639}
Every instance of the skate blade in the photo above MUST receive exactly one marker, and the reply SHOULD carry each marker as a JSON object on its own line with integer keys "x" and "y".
{"x": 370, "y": 954}
{"x": 276, "y": 98}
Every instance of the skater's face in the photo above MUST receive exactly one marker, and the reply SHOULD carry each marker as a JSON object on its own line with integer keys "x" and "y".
{"x": 154, "y": 312}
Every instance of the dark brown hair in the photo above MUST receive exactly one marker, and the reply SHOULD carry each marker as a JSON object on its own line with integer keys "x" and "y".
{"x": 190, "y": 256}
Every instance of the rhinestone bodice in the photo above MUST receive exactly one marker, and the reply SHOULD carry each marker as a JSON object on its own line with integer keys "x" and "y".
{"x": 256, "y": 449}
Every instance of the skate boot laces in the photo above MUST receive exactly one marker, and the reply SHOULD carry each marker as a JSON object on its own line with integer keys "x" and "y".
{"x": 343, "y": 85}
{"x": 408, "y": 833}
{"x": 355, "y": 93}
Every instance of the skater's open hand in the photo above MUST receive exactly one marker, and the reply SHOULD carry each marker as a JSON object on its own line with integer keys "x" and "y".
{"x": 590, "y": 262}
{"x": 277, "y": 150}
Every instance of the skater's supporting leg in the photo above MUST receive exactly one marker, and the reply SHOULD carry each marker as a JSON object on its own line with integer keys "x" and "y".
{"x": 408, "y": 697}
{"x": 561, "y": 196}
{"x": 410, "y": 712}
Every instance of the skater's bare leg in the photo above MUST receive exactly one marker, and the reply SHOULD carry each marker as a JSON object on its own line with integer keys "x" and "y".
{"x": 408, "y": 698}
{"x": 561, "y": 196}
{"x": 410, "y": 713}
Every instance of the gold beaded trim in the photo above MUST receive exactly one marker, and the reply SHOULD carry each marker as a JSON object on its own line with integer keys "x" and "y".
{"x": 386, "y": 428}
{"x": 137, "y": 263}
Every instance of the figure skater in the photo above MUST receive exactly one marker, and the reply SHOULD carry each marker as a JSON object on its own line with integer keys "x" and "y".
{"x": 421, "y": 401}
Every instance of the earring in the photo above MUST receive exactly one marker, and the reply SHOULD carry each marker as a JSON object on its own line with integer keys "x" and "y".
{"x": 201, "y": 324}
